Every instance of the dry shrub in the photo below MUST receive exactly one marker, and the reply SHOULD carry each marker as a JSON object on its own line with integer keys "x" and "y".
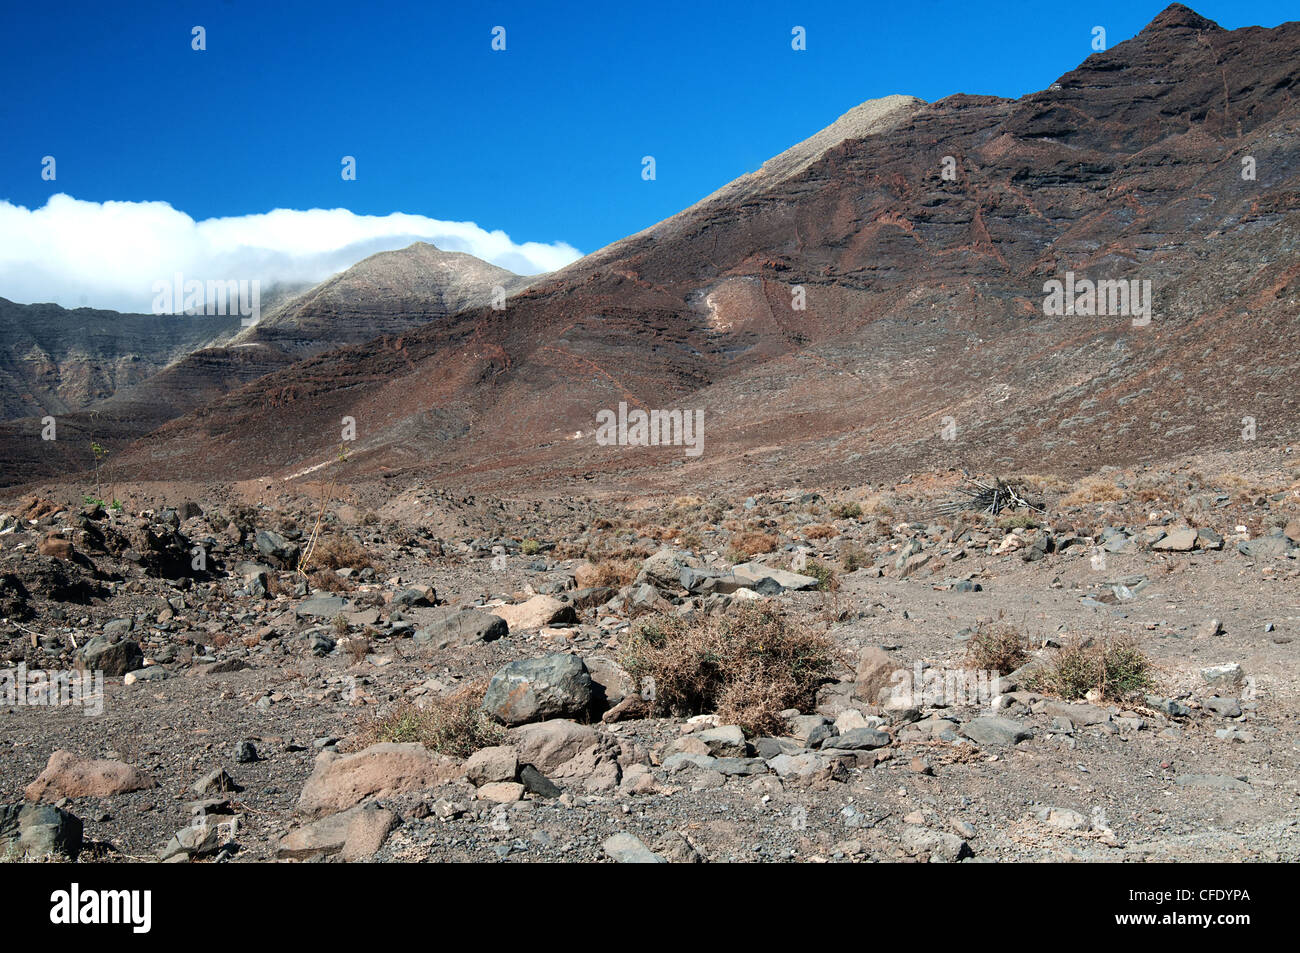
{"x": 1113, "y": 667}
{"x": 747, "y": 665}
{"x": 827, "y": 580}
{"x": 751, "y": 543}
{"x": 1093, "y": 490}
{"x": 613, "y": 573}
{"x": 996, "y": 647}
{"x": 358, "y": 647}
{"x": 820, "y": 531}
{"x": 452, "y": 724}
{"x": 328, "y": 581}
{"x": 852, "y": 558}
{"x": 341, "y": 552}
{"x": 691, "y": 540}
{"x": 1042, "y": 482}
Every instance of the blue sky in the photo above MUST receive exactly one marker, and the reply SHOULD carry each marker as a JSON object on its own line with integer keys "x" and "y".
{"x": 543, "y": 141}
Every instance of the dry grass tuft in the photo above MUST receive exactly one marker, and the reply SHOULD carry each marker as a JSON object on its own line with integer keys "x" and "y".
{"x": 613, "y": 573}
{"x": 747, "y": 665}
{"x": 341, "y": 552}
{"x": 1093, "y": 490}
{"x": 452, "y": 724}
{"x": 328, "y": 580}
{"x": 996, "y": 647}
{"x": 1113, "y": 667}
{"x": 748, "y": 543}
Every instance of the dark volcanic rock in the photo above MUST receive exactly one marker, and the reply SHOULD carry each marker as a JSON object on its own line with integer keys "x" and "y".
{"x": 554, "y": 686}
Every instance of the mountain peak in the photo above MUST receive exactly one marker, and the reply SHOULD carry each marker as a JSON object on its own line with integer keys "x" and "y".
{"x": 1176, "y": 16}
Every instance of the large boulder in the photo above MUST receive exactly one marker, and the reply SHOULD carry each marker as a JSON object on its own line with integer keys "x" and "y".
{"x": 66, "y": 775}
{"x": 547, "y": 745}
{"x": 38, "y": 830}
{"x": 663, "y": 570}
{"x": 463, "y": 627}
{"x": 488, "y": 765}
{"x": 339, "y": 782}
{"x": 995, "y": 731}
{"x": 356, "y": 833}
{"x": 767, "y": 581}
{"x": 875, "y": 672}
{"x": 101, "y": 654}
{"x": 553, "y": 686}
{"x": 276, "y": 548}
{"x": 536, "y": 612}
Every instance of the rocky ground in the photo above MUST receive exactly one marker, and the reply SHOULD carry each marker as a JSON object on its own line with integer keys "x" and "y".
{"x": 251, "y": 713}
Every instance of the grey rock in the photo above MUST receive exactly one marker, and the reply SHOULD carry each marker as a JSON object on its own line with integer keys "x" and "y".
{"x": 1229, "y": 675}
{"x": 995, "y": 731}
{"x": 1214, "y": 782}
{"x": 769, "y": 748}
{"x": 553, "y": 686}
{"x": 768, "y": 581}
{"x": 112, "y": 658}
{"x": 463, "y": 627}
{"x": 38, "y": 830}
{"x": 498, "y": 763}
{"x": 322, "y": 606}
{"x": 627, "y": 849}
{"x": 731, "y": 767}
{"x": 200, "y": 839}
{"x": 1179, "y": 541}
{"x": 1266, "y": 547}
{"x": 274, "y": 546}
{"x": 535, "y": 782}
{"x": 1226, "y": 707}
{"x": 859, "y": 739}
{"x": 245, "y": 752}
{"x": 941, "y": 846}
{"x": 215, "y": 782}
{"x": 1169, "y": 706}
{"x": 727, "y": 741}
{"x": 684, "y": 759}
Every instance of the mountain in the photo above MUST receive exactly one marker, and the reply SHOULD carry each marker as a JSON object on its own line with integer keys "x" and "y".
{"x": 54, "y": 360}
{"x": 926, "y": 339}
{"x": 386, "y": 293}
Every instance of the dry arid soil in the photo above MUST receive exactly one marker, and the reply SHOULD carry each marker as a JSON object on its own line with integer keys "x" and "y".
{"x": 252, "y": 713}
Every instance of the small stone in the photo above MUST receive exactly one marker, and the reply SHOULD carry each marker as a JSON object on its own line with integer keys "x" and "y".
{"x": 245, "y": 753}
{"x": 627, "y": 849}
{"x": 502, "y": 792}
{"x": 488, "y": 765}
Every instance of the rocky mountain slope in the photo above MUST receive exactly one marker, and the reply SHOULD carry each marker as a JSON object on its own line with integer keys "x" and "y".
{"x": 386, "y": 293}
{"x": 923, "y": 339}
{"x": 54, "y": 360}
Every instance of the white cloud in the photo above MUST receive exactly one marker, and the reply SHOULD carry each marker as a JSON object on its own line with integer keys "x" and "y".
{"x": 109, "y": 254}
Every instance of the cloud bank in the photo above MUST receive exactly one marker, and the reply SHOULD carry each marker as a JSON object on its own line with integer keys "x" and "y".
{"x": 109, "y": 254}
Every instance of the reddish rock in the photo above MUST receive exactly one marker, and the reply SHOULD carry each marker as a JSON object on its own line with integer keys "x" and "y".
{"x": 66, "y": 775}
